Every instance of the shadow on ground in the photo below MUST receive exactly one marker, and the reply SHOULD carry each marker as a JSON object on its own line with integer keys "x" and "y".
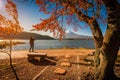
{"x": 44, "y": 62}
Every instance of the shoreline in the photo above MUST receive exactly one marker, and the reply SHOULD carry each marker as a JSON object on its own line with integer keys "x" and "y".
{"x": 50, "y": 52}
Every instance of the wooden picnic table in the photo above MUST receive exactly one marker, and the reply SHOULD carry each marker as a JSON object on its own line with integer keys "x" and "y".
{"x": 33, "y": 55}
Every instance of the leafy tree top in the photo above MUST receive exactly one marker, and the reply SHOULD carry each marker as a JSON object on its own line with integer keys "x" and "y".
{"x": 69, "y": 12}
{"x": 10, "y": 27}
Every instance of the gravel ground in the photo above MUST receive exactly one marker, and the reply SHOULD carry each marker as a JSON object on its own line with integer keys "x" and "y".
{"x": 28, "y": 70}
{"x": 79, "y": 70}
{"x": 73, "y": 73}
{"x": 24, "y": 69}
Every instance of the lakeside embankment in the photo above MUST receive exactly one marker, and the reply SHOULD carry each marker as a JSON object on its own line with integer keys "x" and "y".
{"x": 49, "y": 52}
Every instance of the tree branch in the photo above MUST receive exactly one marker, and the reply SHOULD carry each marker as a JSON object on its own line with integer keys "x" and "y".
{"x": 5, "y": 52}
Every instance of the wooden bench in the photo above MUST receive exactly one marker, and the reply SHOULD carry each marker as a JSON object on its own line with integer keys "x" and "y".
{"x": 33, "y": 56}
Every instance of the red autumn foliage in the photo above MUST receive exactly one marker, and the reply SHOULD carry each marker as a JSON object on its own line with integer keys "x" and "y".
{"x": 50, "y": 24}
{"x": 65, "y": 9}
{"x": 8, "y": 28}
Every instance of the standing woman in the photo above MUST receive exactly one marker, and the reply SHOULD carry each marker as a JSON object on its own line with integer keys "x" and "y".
{"x": 31, "y": 44}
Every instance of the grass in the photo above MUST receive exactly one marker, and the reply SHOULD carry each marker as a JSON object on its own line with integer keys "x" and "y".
{"x": 4, "y": 66}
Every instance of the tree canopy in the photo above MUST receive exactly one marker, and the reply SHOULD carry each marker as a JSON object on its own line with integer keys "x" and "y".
{"x": 68, "y": 12}
{"x": 10, "y": 27}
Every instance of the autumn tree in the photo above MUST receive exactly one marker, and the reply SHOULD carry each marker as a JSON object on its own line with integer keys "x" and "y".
{"x": 71, "y": 13}
{"x": 110, "y": 46}
{"x": 9, "y": 28}
{"x": 74, "y": 11}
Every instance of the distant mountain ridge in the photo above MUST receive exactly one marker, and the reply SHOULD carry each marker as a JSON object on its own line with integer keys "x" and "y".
{"x": 72, "y": 35}
{"x": 27, "y": 35}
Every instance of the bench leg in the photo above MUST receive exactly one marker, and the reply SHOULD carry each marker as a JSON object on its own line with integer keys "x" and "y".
{"x": 42, "y": 58}
{"x": 30, "y": 58}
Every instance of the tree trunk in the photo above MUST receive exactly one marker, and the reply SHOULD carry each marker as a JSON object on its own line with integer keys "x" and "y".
{"x": 96, "y": 31}
{"x": 97, "y": 35}
{"x": 111, "y": 44}
{"x": 109, "y": 52}
{"x": 98, "y": 40}
{"x": 16, "y": 76}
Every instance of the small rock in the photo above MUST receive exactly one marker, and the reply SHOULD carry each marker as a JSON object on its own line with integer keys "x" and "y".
{"x": 60, "y": 71}
{"x": 6, "y": 77}
{"x": 89, "y": 62}
{"x": 65, "y": 60}
{"x": 56, "y": 79}
{"x": 67, "y": 56}
{"x": 89, "y": 68}
{"x": 65, "y": 64}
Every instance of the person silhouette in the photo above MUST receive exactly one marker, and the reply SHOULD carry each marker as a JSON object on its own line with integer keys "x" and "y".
{"x": 31, "y": 44}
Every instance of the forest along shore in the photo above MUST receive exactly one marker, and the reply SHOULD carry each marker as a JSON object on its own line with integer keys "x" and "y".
{"x": 49, "y": 52}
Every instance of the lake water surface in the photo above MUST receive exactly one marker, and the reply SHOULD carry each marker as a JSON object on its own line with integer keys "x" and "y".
{"x": 49, "y": 44}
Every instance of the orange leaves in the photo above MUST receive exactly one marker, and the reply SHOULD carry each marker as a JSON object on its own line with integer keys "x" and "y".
{"x": 42, "y": 6}
{"x": 64, "y": 4}
{"x": 52, "y": 25}
{"x": 8, "y": 28}
{"x": 69, "y": 11}
{"x": 11, "y": 9}
{"x": 39, "y": 1}
{"x": 2, "y": 18}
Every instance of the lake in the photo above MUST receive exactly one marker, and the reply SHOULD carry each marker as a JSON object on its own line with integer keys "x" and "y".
{"x": 50, "y": 44}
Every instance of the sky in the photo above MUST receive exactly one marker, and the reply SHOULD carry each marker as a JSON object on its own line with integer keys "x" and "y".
{"x": 29, "y": 15}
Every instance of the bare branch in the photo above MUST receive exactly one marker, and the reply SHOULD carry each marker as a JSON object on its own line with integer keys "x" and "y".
{"x": 5, "y": 52}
